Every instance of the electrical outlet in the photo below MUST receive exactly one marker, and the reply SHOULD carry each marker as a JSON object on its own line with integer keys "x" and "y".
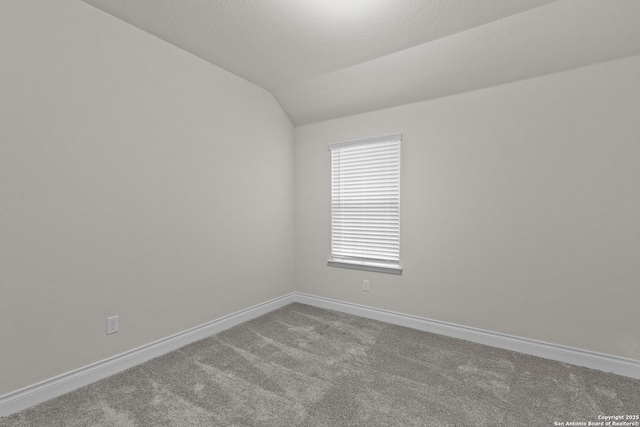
{"x": 365, "y": 285}
{"x": 112, "y": 325}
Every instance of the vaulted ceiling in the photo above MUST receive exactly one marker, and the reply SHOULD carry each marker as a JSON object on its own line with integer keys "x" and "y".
{"x": 323, "y": 59}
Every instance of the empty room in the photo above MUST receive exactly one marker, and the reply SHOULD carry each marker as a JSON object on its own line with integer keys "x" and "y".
{"x": 320, "y": 213}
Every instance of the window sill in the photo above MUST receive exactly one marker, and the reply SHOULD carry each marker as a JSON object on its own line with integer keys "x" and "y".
{"x": 367, "y": 267}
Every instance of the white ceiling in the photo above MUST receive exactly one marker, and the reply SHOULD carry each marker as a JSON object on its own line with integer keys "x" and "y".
{"x": 323, "y": 59}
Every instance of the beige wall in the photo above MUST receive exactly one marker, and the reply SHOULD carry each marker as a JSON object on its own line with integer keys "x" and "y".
{"x": 520, "y": 209}
{"x": 135, "y": 179}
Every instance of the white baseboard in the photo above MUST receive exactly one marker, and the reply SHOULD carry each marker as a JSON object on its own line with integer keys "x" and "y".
{"x": 57, "y": 386}
{"x": 574, "y": 356}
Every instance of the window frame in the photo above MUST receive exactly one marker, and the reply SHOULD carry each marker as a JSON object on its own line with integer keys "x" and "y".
{"x": 390, "y": 266}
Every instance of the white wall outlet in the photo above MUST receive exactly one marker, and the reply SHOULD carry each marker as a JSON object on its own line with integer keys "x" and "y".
{"x": 365, "y": 285}
{"x": 112, "y": 325}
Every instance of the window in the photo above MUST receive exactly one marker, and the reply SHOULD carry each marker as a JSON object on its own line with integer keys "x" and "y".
{"x": 365, "y": 204}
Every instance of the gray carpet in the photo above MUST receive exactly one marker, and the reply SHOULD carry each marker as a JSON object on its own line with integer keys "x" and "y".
{"x": 305, "y": 366}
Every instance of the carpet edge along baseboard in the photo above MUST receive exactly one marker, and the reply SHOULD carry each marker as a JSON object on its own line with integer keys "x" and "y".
{"x": 37, "y": 393}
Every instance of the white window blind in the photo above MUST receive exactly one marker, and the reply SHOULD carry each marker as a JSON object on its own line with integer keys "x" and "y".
{"x": 365, "y": 204}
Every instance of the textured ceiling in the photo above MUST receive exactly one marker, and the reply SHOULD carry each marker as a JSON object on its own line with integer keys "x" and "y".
{"x": 327, "y": 58}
